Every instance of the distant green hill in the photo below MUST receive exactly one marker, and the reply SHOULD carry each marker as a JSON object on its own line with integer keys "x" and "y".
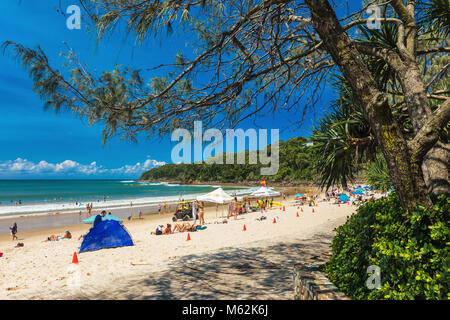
{"x": 296, "y": 165}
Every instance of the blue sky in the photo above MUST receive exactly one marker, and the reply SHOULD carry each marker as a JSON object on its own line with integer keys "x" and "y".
{"x": 40, "y": 144}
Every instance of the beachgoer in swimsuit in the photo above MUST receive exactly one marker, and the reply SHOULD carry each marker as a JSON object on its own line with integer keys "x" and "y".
{"x": 201, "y": 213}
{"x": 182, "y": 227}
{"x": 160, "y": 231}
{"x": 67, "y": 235}
{"x": 13, "y": 231}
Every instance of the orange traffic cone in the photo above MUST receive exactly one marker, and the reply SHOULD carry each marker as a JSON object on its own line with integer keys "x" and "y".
{"x": 301, "y": 209}
{"x": 297, "y": 214}
{"x": 75, "y": 258}
{"x": 245, "y": 229}
{"x": 313, "y": 210}
{"x": 274, "y": 220}
{"x": 339, "y": 205}
{"x": 188, "y": 237}
{"x": 284, "y": 209}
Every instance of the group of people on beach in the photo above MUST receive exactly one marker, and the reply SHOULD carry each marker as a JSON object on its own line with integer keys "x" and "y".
{"x": 178, "y": 227}
{"x": 198, "y": 213}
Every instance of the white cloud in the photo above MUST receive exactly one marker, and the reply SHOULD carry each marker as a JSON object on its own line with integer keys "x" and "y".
{"x": 25, "y": 168}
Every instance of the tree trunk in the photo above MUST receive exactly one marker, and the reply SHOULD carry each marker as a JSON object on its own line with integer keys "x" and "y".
{"x": 436, "y": 168}
{"x": 435, "y": 165}
{"x": 406, "y": 173}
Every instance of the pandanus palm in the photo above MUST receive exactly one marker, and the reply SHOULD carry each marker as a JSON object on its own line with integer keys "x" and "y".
{"x": 342, "y": 139}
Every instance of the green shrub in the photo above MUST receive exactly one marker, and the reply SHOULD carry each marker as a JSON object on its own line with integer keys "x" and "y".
{"x": 411, "y": 250}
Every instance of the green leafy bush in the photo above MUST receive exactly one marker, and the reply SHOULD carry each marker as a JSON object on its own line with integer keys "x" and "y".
{"x": 411, "y": 250}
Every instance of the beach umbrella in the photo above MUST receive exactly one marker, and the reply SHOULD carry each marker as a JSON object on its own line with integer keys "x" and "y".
{"x": 105, "y": 218}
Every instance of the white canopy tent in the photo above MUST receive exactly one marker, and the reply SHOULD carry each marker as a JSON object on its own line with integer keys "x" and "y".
{"x": 217, "y": 196}
{"x": 266, "y": 192}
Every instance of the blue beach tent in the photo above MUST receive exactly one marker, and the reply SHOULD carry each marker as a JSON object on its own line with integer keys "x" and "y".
{"x": 299, "y": 195}
{"x": 107, "y": 234}
{"x": 357, "y": 192}
{"x": 343, "y": 197}
{"x": 105, "y": 218}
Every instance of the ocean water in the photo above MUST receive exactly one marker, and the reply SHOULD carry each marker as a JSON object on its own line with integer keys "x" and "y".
{"x": 40, "y": 196}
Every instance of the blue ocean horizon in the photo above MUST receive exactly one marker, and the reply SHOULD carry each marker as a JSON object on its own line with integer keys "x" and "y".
{"x": 28, "y": 196}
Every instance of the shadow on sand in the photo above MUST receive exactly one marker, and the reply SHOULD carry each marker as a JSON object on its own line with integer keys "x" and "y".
{"x": 254, "y": 273}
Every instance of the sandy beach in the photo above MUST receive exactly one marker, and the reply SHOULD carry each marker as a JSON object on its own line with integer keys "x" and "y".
{"x": 43, "y": 270}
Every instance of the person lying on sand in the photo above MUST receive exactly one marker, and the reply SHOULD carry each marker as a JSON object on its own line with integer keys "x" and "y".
{"x": 67, "y": 235}
{"x": 183, "y": 227}
{"x": 160, "y": 230}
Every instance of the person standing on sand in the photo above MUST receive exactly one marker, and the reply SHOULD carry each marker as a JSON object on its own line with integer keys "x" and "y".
{"x": 99, "y": 217}
{"x": 201, "y": 213}
{"x": 13, "y": 231}
{"x": 235, "y": 208}
{"x": 159, "y": 208}
{"x": 131, "y": 210}
{"x": 89, "y": 208}
{"x": 165, "y": 208}
{"x": 194, "y": 211}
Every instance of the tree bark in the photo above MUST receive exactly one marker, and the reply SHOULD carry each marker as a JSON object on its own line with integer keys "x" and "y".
{"x": 435, "y": 164}
{"x": 406, "y": 173}
{"x": 436, "y": 168}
